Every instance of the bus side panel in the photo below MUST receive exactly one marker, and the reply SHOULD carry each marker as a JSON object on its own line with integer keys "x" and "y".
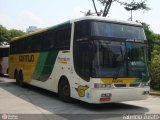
{"x": 45, "y": 65}
{"x": 43, "y": 74}
{"x": 24, "y": 62}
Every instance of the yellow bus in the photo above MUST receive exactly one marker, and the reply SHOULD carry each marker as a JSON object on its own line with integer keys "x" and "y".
{"x": 4, "y": 52}
{"x": 92, "y": 59}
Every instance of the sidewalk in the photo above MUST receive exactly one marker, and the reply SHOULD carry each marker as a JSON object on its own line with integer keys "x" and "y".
{"x": 155, "y": 93}
{"x": 3, "y": 79}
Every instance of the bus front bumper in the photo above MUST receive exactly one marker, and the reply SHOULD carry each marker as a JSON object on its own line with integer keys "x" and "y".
{"x": 119, "y": 94}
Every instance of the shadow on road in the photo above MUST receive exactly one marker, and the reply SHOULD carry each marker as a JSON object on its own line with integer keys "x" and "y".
{"x": 78, "y": 110}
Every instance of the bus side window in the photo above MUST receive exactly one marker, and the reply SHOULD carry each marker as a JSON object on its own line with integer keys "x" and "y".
{"x": 16, "y": 47}
{"x": 4, "y": 52}
{"x": 48, "y": 40}
{"x": 63, "y": 36}
{"x": 29, "y": 45}
{"x": 20, "y": 46}
{"x": 51, "y": 38}
{"x": 11, "y": 48}
{"x": 25, "y": 47}
{"x": 82, "y": 30}
{"x": 39, "y": 43}
{"x": 35, "y": 43}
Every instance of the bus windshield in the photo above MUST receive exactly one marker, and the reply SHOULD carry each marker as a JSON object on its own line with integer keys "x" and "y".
{"x": 119, "y": 59}
{"x": 117, "y": 30}
{"x": 119, "y": 50}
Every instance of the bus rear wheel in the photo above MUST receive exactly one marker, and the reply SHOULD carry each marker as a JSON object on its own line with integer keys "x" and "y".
{"x": 20, "y": 79}
{"x": 64, "y": 91}
{"x": 16, "y": 77}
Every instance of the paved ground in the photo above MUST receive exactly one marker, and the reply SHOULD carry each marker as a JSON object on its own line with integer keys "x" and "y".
{"x": 23, "y": 102}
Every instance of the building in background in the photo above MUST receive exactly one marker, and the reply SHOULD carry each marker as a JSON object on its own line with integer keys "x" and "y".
{"x": 32, "y": 29}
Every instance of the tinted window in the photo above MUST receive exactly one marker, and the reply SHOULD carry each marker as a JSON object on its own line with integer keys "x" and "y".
{"x": 48, "y": 40}
{"x": 82, "y": 30}
{"x": 82, "y": 59}
{"x": 4, "y": 52}
{"x": 55, "y": 38}
{"x": 117, "y": 30}
{"x": 36, "y": 42}
{"x": 63, "y": 35}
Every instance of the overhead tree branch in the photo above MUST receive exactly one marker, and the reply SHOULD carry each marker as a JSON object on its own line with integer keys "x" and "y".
{"x": 95, "y": 7}
{"x": 106, "y": 12}
{"x": 128, "y": 6}
{"x": 106, "y": 7}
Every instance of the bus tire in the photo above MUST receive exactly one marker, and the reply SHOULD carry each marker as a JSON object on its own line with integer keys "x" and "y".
{"x": 16, "y": 76}
{"x": 64, "y": 91}
{"x": 20, "y": 79}
{"x": 7, "y": 71}
{"x": 0, "y": 68}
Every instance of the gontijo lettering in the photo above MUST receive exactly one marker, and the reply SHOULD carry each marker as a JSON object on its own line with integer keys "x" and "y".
{"x": 26, "y": 58}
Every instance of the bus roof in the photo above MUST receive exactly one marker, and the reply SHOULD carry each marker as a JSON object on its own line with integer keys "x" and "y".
{"x": 96, "y": 18}
{"x": 107, "y": 19}
{"x": 39, "y": 31}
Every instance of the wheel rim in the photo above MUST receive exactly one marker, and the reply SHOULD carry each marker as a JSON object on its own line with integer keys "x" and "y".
{"x": 66, "y": 90}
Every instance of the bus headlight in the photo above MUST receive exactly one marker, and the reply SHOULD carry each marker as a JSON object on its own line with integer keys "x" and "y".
{"x": 144, "y": 84}
{"x": 99, "y": 85}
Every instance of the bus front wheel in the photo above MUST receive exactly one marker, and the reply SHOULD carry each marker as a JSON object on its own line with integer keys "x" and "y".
{"x": 64, "y": 91}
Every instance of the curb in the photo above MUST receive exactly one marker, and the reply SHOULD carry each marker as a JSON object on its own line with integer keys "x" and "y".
{"x": 154, "y": 93}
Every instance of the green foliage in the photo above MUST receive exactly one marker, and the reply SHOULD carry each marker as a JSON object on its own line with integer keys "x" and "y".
{"x": 4, "y": 34}
{"x": 149, "y": 35}
{"x": 155, "y": 67}
{"x": 7, "y": 35}
{"x": 15, "y": 33}
{"x": 154, "y": 44}
{"x": 155, "y": 64}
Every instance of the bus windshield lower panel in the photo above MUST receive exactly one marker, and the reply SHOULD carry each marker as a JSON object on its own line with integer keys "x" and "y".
{"x": 119, "y": 59}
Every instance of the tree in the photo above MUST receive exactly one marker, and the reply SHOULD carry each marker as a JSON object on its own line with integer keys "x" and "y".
{"x": 153, "y": 39}
{"x": 128, "y": 6}
{"x": 4, "y": 35}
{"x": 7, "y": 35}
{"x": 136, "y": 6}
{"x": 15, "y": 33}
{"x": 149, "y": 35}
{"x": 154, "y": 44}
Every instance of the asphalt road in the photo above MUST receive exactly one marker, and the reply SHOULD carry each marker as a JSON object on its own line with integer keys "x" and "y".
{"x": 34, "y": 103}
